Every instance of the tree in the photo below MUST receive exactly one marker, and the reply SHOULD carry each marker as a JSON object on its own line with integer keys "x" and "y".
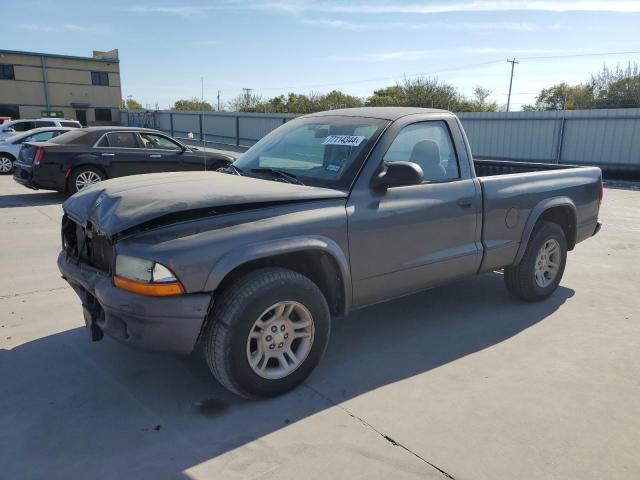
{"x": 388, "y": 97}
{"x": 619, "y": 88}
{"x": 246, "y": 102}
{"x": 132, "y": 104}
{"x": 563, "y": 97}
{"x": 192, "y": 104}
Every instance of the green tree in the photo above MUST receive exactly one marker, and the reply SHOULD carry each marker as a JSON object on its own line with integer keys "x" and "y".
{"x": 619, "y": 88}
{"x": 388, "y": 97}
{"x": 132, "y": 104}
{"x": 563, "y": 97}
{"x": 192, "y": 104}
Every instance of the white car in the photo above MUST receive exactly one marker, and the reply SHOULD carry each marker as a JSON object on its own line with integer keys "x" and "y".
{"x": 10, "y": 146}
{"x": 16, "y": 126}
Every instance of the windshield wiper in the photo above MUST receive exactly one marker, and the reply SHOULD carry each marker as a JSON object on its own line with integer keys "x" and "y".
{"x": 290, "y": 177}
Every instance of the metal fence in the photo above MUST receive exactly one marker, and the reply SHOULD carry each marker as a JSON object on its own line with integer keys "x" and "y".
{"x": 236, "y": 128}
{"x": 609, "y": 139}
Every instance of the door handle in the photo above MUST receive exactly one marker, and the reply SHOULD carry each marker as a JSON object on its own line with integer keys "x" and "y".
{"x": 108, "y": 154}
{"x": 155, "y": 156}
{"x": 465, "y": 202}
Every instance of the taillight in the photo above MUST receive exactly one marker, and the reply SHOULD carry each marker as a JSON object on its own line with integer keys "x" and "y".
{"x": 601, "y": 197}
{"x": 37, "y": 158}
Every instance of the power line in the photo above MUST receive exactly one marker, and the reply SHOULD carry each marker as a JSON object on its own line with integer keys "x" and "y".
{"x": 446, "y": 70}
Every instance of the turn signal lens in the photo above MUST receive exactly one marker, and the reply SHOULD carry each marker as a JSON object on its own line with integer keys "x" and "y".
{"x": 145, "y": 277}
{"x": 152, "y": 289}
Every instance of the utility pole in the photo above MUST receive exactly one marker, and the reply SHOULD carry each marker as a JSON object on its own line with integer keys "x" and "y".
{"x": 513, "y": 64}
{"x": 247, "y": 96}
{"x": 218, "y": 100}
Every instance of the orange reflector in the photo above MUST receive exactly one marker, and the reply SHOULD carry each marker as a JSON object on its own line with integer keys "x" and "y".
{"x": 152, "y": 289}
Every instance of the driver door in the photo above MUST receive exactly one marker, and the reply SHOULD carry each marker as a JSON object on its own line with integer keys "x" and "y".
{"x": 407, "y": 238}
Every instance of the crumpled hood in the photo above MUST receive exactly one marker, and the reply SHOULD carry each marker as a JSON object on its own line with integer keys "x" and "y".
{"x": 119, "y": 204}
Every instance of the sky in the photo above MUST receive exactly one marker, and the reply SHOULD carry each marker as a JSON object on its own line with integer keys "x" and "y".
{"x": 170, "y": 49}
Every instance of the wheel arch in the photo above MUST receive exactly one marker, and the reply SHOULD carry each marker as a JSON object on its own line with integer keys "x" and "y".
{"x": 75, "y": 168}
{"x": 559, "y": 210}
{"x": 318, "y": 258}
{"x": 9, "y": 155}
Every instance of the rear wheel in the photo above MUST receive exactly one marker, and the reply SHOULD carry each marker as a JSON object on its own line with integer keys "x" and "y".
{"x": 267, "y": 333}
{"x": 6, "y": 164}
{"x": 84, "y": 177}
{"x": 539, "y": 272}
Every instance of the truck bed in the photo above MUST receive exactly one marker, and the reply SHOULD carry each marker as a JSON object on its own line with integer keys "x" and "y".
{"x": 510, "y": 192}
{"x": 489, "y": 168}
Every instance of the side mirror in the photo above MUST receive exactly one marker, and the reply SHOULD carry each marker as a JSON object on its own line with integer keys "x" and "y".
{"x": 399, "y": 174}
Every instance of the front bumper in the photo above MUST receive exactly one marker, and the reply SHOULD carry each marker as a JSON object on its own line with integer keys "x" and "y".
{"x": 167, "y": 324}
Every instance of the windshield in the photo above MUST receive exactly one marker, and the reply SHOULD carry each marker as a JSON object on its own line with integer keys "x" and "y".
{"x": 322, "y": 151}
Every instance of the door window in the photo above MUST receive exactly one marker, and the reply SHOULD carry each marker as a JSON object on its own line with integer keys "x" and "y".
{"x": 429, "y": 145}
{"x": 23, "y": 126}
{"x": 40, "y": 137}
{"x": 158, "y": 142}
{"x": 120, "y": 140}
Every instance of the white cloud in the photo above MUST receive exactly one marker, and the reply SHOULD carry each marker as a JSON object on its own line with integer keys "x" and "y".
{"x": 493, "y": 26}
{"x": 301, "y": 6}
{"x": 339, "y": 24}
{"x": 182, "y": 10}
{"x": 403, "y": 55}
{"x": 410, "y": 55}
{"x": 68, "y": 27}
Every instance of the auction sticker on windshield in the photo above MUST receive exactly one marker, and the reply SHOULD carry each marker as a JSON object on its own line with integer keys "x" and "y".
{"x": 348, "y": 140}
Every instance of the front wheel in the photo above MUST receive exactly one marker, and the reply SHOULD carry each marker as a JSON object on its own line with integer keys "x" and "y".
{"x": 539, "y": 272}
{"x": 267, "y": 333}
{"x": 6, "y": 165}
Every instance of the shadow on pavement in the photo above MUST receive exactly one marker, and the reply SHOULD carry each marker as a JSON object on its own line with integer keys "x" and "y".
{"x": 73, "y": 409}
{"x": 32, "y": 199}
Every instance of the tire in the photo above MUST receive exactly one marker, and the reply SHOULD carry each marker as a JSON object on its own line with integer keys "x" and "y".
{"x": 235, "y": 316}
{"x": 84, "y": 173}
{"x": 533, "y": 281}
{"x": 7, "y": 164}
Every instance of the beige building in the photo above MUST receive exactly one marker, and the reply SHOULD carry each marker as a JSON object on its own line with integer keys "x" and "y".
{"x": 34, "y": 85}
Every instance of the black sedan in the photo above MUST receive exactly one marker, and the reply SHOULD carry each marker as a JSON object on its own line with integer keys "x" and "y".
{"x": 82, "y": 157}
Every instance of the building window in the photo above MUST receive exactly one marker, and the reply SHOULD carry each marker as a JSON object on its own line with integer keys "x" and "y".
{"x": 103, "y": 114}
{"x": 100, "y": 78}
{"x": 6, "y": 72}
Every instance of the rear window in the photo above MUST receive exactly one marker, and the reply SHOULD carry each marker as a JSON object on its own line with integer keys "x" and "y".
{"x": 72, "y": 136}
{"x": 71, "y": 124}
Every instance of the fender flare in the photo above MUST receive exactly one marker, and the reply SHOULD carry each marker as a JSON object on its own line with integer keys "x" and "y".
{"x": 270, "y": 248}
{"x": 535, "y": 215}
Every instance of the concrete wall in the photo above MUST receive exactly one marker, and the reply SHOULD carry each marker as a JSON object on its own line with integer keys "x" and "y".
{"x": 56, "y": 82}
{"x": 609, "y": 139}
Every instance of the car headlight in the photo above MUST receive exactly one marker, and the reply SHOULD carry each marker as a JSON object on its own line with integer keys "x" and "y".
{"x": 145, "y": 277}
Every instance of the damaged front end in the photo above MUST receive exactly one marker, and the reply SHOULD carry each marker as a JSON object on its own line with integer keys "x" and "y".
{"x": 87, "y": 262}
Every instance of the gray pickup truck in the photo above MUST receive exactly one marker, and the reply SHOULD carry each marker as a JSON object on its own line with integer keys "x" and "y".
{"x": 329, "y": 213}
